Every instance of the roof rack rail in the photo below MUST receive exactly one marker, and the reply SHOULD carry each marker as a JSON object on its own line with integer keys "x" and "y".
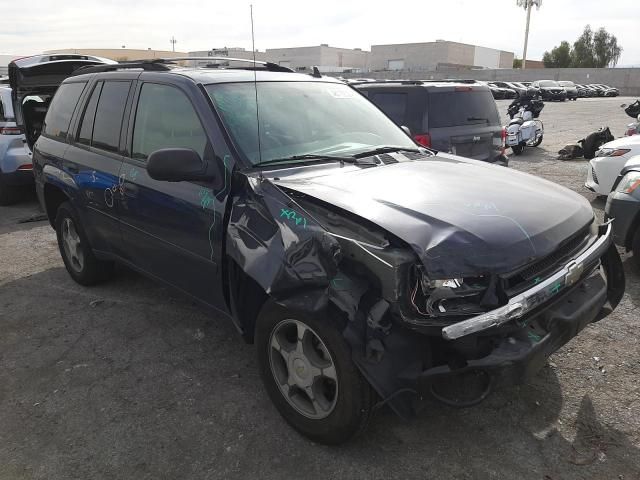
{"x": 416, "y": 82}
{"x": 152, "y": 65}
{"x": 272, "y": 67}
{"x": 162, "y": 65}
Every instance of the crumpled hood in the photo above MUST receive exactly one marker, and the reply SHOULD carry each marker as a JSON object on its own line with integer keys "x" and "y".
{"x": 461, "y": 217}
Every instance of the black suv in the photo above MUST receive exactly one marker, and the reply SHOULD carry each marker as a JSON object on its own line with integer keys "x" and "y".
{"x": 459, "y": 117}
{"x": 365, "y": 268}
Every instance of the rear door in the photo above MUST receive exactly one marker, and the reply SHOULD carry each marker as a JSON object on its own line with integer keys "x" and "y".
{"x": 464, "y": 121}
{"x": 173, "y": 230}
{"x": 95, "y": 159}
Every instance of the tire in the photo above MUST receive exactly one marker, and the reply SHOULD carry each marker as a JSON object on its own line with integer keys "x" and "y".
{"x": 79, "y": 261}
{"x": 7, "y": 194}
{"x": 517, "y": 149}
{"x": 635, "y": 248}
{"x": 347, "y": 401}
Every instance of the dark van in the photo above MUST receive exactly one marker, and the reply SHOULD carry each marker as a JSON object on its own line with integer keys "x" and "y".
{"x": 455, "y": 117}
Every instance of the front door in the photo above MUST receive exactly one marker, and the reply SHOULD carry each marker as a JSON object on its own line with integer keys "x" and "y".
{"x": 172, "y": 229}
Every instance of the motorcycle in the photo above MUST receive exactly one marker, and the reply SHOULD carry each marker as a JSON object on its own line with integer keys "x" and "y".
{"x": 633, "y": 111}
{"x": 524, "y": 129}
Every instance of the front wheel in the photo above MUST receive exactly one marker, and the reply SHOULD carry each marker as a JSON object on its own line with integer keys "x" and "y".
{"x": 635, "y": 248}
{"x": 308, "y": 372}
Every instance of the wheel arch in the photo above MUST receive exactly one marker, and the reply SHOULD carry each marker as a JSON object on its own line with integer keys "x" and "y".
{"x": 54, "y": 196}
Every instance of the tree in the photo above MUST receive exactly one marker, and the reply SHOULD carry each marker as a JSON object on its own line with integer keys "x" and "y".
{"x": 559, "y": 57}
{"x": 606, "y": 51}
{"x": 517, "y": 63}
{"x": 591, "y": 50}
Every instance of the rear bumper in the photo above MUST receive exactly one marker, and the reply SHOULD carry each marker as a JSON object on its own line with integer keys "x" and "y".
{"x": 18, "y": 178}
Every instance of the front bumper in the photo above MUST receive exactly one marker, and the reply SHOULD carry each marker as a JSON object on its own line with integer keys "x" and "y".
{"x": 518, "y": 356}
{"x": 539, "y": 294}
{"x": 623, "y": 209}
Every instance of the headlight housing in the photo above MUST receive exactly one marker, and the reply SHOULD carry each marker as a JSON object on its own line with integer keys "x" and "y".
{"x": 629, "y": 183}
{"x": 612, "y": 152}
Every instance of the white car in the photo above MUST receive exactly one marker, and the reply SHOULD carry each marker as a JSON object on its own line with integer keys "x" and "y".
{"x": 608, "y": 162}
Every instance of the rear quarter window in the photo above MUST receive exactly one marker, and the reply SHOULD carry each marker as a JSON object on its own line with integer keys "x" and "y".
{"x": 393, "y": 104}
{"x": 108, "y": 119}
{"x": 56, "y": 123}
{"x": 452, "y": 109}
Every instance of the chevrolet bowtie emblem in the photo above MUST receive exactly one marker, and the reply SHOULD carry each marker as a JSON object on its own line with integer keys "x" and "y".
{"x": 574, "y": 274}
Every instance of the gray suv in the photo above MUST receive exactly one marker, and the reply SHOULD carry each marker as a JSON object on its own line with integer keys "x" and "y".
{"x": 459, "y": 117}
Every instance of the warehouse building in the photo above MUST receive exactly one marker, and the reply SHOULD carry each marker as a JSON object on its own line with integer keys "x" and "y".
{"x": 438, "y": 55}
{"x": 231, "y": 52}
{"x": 326, "y": 58}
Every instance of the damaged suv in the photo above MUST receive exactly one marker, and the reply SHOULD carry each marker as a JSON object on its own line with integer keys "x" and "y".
{"x": 367, "y": 269}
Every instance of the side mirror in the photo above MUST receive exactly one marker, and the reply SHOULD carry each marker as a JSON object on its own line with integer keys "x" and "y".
{"x": 406, "y": 130}
{"x": 176, "y": 165}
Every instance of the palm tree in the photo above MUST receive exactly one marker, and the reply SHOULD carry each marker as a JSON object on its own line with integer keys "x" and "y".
{"x": 527, "y": 4}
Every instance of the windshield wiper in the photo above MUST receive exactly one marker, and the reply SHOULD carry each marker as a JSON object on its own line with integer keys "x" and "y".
{"x": 313, "y": 156}
{"x": 379, "y": 150}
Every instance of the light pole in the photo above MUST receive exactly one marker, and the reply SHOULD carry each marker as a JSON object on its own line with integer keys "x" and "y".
{"x": 527, "y": 4}
{"x": 173, "y": 43}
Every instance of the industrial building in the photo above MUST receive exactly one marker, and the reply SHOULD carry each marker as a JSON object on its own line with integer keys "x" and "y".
{"x": 326, "y": 58}
{"x": 231, "y": 52}
{"x": 437, "y": 55}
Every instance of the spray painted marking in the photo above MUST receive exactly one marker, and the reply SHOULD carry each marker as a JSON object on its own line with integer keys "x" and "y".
{"x": 208, "y": 200}
{"x": 556, "y": 287}
{"x": 535, "y": 338}
{"x": 133, "y": 174}
{"x": 293, "y": 217}
{"x": 109, "y": 192}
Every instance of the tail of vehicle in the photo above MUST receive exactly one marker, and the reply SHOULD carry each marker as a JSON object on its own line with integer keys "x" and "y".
{"x": 34, "y": 81}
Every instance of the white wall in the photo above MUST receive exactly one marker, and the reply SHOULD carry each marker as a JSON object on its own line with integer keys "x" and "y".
{"x": 486, "y": 57}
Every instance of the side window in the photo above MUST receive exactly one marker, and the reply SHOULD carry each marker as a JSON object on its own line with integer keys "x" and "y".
{"x": 56, "y": 123}
{"x": 108, "y": 117}
{"x": 165, "y": 118}
{"x": 393, "y": 104}
{"x": 86, "y": 125}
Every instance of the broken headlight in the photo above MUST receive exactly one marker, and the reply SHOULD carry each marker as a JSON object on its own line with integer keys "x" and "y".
{"x": 447, "y": 297}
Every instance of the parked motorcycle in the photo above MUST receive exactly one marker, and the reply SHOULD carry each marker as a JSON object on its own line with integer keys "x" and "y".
{"x": 524, "y": 129}
{"x": 633, "y": 110}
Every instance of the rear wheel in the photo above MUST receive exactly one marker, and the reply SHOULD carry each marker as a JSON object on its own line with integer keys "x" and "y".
{"x": 306, "y": 367}
{"x": 537, "y": 142}
{"x": 76, "y": 252}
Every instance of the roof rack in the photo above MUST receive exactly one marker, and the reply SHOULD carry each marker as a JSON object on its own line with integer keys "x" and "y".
{"x": 416, "y": 82}
{"x": 162, "y": 65}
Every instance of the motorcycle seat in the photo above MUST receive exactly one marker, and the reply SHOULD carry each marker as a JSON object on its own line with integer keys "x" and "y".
{"x": 516, "y": 121}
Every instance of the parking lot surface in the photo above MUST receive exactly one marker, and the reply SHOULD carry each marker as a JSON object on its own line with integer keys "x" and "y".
{"x": 132, "y": 380}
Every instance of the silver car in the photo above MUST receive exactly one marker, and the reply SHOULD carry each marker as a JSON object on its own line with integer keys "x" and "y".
{"x": 16, "y": 169}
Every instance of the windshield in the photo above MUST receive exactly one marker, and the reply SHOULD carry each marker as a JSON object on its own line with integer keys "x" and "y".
{"x": 450, "y": 109}
{"x": 302, "y": 118}
{"x": 548, "y": 83}
{"x": 567, "y": 84}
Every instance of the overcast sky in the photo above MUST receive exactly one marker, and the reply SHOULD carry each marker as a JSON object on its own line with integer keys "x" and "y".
{"x": 201, "y": 25}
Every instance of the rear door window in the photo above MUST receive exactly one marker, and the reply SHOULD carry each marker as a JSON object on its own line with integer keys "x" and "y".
{"x": 108, "y": 117}
{"x": 56, "y": 124}
{"x": 393, "y": 104}
{"x": 166, "y": 119}
{"x": 452, "y": 109}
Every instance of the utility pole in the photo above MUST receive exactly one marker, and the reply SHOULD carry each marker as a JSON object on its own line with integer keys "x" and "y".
{"x": 527, "y": 4}
{"x": 174, "y": 41}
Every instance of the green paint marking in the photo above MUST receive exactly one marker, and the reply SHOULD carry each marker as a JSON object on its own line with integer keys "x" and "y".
{"x": 293, "y": 217}
{"x": 206, "y": 198}
{"x": 555, "y": 288}
{"x": 537, "y": 280}
{"x": 535, "y": 338}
